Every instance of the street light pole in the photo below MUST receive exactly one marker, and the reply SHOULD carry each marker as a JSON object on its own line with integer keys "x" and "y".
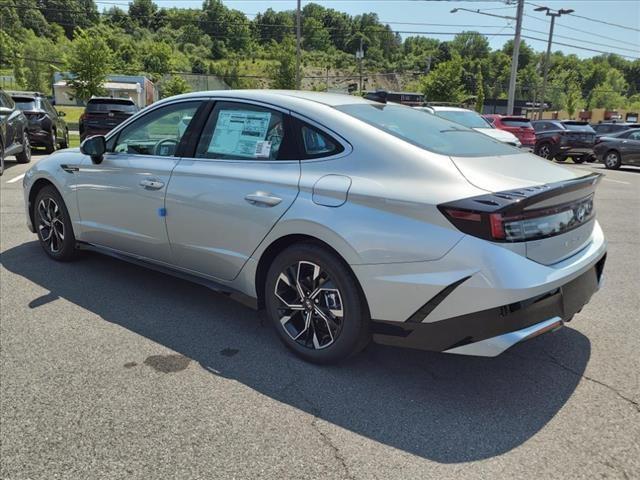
{"x": 516, "y": 47}
{"x": 553, "y": 14}
{"x": 298, "y": 45}
{"x": 511, "y": 99}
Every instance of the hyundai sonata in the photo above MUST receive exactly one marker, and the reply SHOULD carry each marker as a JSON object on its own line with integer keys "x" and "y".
{"x": 346, "y": 219}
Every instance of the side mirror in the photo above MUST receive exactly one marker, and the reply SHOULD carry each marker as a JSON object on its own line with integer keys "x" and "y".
{"x": 95, "y": 147}
{"x": 5, "y": 110}
{"x": 61, "y": 114}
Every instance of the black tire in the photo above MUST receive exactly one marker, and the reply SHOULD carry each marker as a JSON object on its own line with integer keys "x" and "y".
{"x": 25, "y": 155}
{"x": 65, "y": 141}
{"x": 332, "y": 322}
{"x": 53, "y": 142}
{"x": 591, "y": 158}
{"x": 612, "y": 160}
{"x": 561, "y": 158}
{"x": 580, "y": 159}
{"x": 1, "y": 158}
{"x": 544, "y": 150}
{"x": 53, "y": 225}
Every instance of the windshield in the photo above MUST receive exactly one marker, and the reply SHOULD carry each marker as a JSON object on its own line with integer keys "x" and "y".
{"x": 25, "y": 103}
{"x": 579, "y": 127}
{"x": 468, "y": 119}
{"x": 111, "y": 105}
{"x": 427, "y": 131}
{"x": 517, "y": 122}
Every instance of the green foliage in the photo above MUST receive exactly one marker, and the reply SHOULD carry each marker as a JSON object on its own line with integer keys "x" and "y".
{"x": 89, "y": 62}
{"x": 444, "y": 84}
{"x": 479, "y": 91}
{"x": 283, "y": 75}
{"x": 175, "y": 86}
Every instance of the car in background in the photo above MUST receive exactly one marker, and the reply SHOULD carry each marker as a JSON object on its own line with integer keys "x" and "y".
{"x": 619, "y": 148}
{"x": 519, "y": 126}
{"x": 14, "y": 137}
{"x": 610, "y": 128}
{"x": 348, "y": 220}
{"x": 102, "y": 114}
{"x": 46, "y": 127}
{"x": 474, "y": 120}
{"x": 561, "y": 139}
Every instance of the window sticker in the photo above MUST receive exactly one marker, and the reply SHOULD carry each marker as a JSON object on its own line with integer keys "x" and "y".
{"x": 241, "y": 133}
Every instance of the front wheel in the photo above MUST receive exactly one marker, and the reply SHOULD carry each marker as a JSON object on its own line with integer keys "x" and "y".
{"x": 315, "y": 304}
{"x": 580, "y": 159}
{"x": 612, "y": 160}
{"x": 53, "y": 225}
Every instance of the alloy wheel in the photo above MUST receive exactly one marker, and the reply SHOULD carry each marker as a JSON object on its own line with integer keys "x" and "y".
{"x": 27, "y": 147}
{"x": 51, "y": 224}
{"x": 611, "y": 160}
{"x": 310, "y": 305}
{"x": 545, "y": 151}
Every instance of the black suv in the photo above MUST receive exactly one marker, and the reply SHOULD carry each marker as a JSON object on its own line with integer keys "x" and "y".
{"x": 46, "y": 127}
{"x": 102, "y": 114}
{"x": 609, "y": 128}
{"x": 14, "y": 138}
{"x": 561, "y": 139}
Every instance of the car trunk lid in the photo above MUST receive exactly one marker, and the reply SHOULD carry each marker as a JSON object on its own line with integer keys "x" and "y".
{"x": 547, "y": 207}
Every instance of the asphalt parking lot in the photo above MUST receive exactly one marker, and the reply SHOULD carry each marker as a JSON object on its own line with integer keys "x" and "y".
{"x": 112, "y": 371}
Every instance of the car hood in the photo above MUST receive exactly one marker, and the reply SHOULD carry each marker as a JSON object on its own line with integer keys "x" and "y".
{"x": 500, "y": 135}
{"x": 506, "y": 172}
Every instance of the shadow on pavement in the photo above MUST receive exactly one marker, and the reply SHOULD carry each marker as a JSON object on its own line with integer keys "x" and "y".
{"x": 442, "y": 407}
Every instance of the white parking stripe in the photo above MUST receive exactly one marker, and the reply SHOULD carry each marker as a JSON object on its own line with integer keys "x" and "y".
{"x": 16, "y": 179}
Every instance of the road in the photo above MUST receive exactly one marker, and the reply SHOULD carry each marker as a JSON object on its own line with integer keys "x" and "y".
{"x": 112, "y": 371}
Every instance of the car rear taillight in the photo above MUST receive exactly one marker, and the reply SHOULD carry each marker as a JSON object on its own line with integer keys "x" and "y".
{"x": 512, "y": 216}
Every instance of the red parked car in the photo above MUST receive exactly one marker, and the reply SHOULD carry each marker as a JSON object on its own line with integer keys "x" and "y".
{"x": 520, "y": 126}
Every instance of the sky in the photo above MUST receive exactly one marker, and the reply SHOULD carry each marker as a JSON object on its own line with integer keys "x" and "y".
{"x": 571, "y": 30}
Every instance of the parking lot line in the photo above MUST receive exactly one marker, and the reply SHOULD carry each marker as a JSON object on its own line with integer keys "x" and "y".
{"x": 16, "y": 179}
{"x": 616, "y": 181}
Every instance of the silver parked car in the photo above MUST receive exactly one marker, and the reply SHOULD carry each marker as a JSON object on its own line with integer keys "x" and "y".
{"x": 346, "y": 219}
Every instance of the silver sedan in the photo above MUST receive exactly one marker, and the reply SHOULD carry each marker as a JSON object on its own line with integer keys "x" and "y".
{"x": 346, "y": 219}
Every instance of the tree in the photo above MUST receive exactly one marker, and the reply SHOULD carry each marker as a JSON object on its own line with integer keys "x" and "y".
{"x": 444, "y": 83}
{"x": 283, "y": 75}
{"x": 175, "y": 86}
{"x": 143, "y": 12}
{"x": 471, "y": 46}
{"x": 37, "y": 71}
{"x": 573, "y": 99}
{"x": 479, "y": 91}
{"x": 89, "y": 62}
{"x": 157, "y": 58}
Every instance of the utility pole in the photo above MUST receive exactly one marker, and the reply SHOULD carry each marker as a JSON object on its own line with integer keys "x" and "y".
{"x": 298, "y": 45}
{"x": 553, "y": 14}
{"x": 359, "y": 57}
{"x": 511, "y": 99}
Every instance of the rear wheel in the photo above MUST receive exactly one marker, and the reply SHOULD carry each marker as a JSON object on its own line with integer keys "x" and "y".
{"x": 561, "y": 158}
{"x": 315, "y": 304}
{"x": 53, "y": 225}
{"x": 612, "y": 160}
{"x": 65, "y": 141}
{"x": 25, "y": 155}
{"x": 52, "y": 144}
{"x": 580, "y": 159}
{"x": 544, "y": 150}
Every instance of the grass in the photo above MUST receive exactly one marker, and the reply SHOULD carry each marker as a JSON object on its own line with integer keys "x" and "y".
{"x": 74, "y": 140}
{"x": 72, "y": 115}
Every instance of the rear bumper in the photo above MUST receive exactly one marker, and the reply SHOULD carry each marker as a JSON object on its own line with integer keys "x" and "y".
{"x": 492, "y": 331}
{"x": 39, "y": 136}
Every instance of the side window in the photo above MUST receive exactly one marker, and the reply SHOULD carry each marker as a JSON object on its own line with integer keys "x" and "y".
{"x": 157, "y": 133}
{"x": 634, "y": 135}
{"x": 316, "y": 144}
{"x": 238, "y": 131}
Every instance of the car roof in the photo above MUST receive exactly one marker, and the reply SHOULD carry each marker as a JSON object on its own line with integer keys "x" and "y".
{"x": 445, "y": 108}
{"x": 283, "y": 98}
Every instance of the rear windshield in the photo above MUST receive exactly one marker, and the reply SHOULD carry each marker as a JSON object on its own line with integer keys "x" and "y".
{"x": 111, "y": 105}
{"x": 468, "y": 119}
{"x": 579, "y": 127}
{"x": 25, "y": 103}
{"x": 517, "y": 122}
{"x": 430, "y": 132}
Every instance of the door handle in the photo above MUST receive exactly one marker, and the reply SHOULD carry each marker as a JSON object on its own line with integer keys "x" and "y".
{"x": 151, "y": 184}
{"x": 263, "y": 199}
